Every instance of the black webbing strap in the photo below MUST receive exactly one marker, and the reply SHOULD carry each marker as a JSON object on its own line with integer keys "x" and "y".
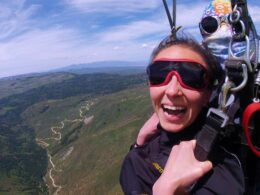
{"x": 207, "y": 137}
{"x": 212, "y": 130}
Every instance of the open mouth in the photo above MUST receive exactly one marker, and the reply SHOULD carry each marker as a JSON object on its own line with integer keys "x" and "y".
{"x": 174, "y": 110}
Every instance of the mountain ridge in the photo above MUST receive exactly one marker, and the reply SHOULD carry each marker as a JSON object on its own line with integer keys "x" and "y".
{"x": 91, "y": 67}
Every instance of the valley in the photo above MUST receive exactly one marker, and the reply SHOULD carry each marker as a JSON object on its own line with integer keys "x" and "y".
{"x": 84, "y": 125}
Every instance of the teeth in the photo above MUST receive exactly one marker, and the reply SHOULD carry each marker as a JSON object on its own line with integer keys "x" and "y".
{"x": 174, "y": 107}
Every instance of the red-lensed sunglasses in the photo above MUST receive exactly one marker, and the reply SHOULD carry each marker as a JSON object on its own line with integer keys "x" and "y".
{"x": 190, "y": 74}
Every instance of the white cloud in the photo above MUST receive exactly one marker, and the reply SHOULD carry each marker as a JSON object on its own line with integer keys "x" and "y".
{"x": 113, "y": 6}
{"x": 36, "y": 50}
{"x": 134, "y": 30}
{"x": 41, "y": 50}
{"x": 189, "y": 16}
{"x": 24, "y": 47}
{"x": 144, "y": 45}
{"x": 116, "y": 48}
{"x": 14, "y": 18}
{"x": 155, "y": 26}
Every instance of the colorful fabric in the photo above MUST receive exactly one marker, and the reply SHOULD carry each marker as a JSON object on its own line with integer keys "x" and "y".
{"x": 218, "y": 41}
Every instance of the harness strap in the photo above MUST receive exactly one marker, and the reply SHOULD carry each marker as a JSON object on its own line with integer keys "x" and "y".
{"x": 207, "y": 137}
{"x": 214, "y": 129}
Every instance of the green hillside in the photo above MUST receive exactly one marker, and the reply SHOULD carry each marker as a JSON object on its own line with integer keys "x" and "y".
{"x": 93, "y": 165}
{"x": 90, "y": 150}
{"x": 19, "y": 85}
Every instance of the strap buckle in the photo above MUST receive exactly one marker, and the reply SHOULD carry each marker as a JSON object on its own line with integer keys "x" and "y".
{"x": 218, "y": 115}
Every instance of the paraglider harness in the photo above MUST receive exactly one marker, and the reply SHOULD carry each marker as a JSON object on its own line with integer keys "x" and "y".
{"x": 239, "y": 100}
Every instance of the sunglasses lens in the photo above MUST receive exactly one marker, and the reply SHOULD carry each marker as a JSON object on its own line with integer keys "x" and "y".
{"x": 209, "y": 24}
{"x": 192, "y": 74}
{"x": 157, "y": 72}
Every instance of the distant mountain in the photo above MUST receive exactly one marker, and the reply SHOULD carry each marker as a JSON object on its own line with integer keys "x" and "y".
{"x": 118, "y": 67}
{"x": 110, "y": 67}
{"x": 21, "y": 76}
{"x": 102, "y": 64}
{"x": 21, "y": 83}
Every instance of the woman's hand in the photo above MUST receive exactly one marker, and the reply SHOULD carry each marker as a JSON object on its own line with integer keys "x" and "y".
{"x": 148, "y": 130}
{"x": 181, "y": 171}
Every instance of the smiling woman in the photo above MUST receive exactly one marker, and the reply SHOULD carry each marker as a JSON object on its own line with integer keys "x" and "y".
{"x": 180, "y": 98}
{"x": 182, "y": 75}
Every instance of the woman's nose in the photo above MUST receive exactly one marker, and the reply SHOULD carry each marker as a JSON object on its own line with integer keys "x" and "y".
{"x": 173, "y": 88}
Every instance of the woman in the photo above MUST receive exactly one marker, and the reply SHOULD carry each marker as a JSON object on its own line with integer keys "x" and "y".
{"x": 182, "y": 75}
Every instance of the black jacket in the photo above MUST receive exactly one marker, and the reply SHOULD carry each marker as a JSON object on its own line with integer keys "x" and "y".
{"x": 143, "y": 166}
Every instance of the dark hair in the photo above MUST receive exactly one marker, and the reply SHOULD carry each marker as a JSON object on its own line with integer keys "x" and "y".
{"x": 215, "y": 71}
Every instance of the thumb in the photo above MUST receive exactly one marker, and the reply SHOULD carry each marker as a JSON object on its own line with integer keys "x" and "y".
{"x": 206, "y": 166}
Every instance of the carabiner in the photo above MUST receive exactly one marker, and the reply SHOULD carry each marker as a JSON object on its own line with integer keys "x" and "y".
{"x": 245, "y": 57}
{"x": 243, "y": 83}
{"x": 234, "y": 16}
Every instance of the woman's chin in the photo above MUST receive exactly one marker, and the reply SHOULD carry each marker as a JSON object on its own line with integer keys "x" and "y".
{"x": 172, "y": 123}
{"x": 174, "y": 128}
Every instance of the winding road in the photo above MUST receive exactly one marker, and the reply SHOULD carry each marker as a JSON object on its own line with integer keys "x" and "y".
{"x": 56, "y": 132}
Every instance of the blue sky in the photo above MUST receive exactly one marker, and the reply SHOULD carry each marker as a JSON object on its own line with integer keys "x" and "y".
{"x": 39, "y": 35}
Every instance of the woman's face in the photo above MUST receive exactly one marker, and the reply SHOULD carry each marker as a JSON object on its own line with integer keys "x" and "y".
{"x": 178, "y": 107}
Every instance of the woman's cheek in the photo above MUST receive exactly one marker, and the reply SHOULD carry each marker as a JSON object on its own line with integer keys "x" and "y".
{"x": 156, "y": 94}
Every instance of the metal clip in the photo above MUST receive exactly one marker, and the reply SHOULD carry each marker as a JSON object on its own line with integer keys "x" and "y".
{"x": 243, "y": 83}
{"x": 234, "y": 20}
{"x": 235, "y": 15}
{"x": 246, "y": 66}
{"x": 220, "y": 115}
{"x": 245, "y": 57}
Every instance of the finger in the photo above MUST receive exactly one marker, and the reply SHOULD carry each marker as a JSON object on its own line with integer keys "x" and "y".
{"x": 155, "y": 117}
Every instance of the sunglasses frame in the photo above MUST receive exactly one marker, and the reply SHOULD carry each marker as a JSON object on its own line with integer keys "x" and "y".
{"x": 176, "y": 73}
